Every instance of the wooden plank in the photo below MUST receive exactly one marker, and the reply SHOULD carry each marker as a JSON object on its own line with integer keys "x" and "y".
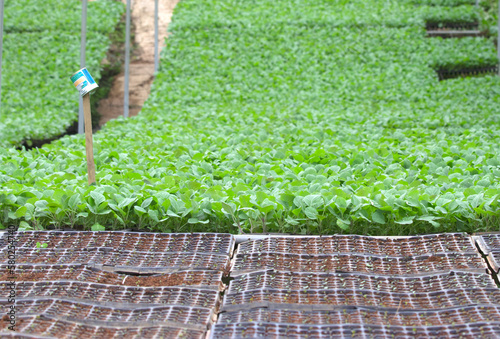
{"x": 89, "y": 147}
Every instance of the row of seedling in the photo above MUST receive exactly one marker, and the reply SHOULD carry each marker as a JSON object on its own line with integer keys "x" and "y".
{"x": 328, "y": 299}
{"x": 364, "y": 315}
{"x": 130, "y": 241}
{"x": 48, "y": 327}
{"x": 91, "y": 311}
{"x": 410, "y": 246}
{"x": 299, "y": 281}
{"x": 273, "y": 330}
{"x": 205, "y": 278}
{"x": 102, "y": 256}
{"x": 81, "y": 291}
{"x": 442, "y": 262}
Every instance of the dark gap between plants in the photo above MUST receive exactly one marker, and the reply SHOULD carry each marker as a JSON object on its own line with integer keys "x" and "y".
{"x": 30, "y": 144}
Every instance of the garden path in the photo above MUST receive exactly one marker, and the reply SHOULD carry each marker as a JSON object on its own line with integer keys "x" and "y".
{"x": 142, "y": 59}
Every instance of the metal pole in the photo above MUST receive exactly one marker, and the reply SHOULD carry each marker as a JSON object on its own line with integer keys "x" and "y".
{"x": 127, "y": 62}
{"x": 156, "y": 37}
{"x": 83, "y": 42}
{"x": 1, "y": 47}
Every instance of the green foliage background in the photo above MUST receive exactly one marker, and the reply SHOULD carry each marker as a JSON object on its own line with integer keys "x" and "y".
{"x": 298, "y": 116}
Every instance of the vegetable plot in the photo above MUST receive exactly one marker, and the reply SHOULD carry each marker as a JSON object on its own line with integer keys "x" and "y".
{"x": 290, "y": 116}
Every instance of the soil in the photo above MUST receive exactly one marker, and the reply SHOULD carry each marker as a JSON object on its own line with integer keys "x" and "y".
{"x": 80, "y": 273}
{"x": 141, "y": 60}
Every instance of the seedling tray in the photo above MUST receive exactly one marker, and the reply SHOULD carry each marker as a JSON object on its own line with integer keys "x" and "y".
{"x": 273, "y": 330}
{"x": 79, "y": 291}
{"x": 200, "y": 278}
{"x": 90, "y": 311}
{"x": 47, "y": 326}
{"x": 488, "y": 242}
{"x": 326, "y": 299}
{"x": 341, "y": 263}
{"x": 128, "y": 241}
{"x": 489, "y": 245}
{"x": 412, "y": 246}
{"x": 444, "y": 74}
{"x": 365, "y": 315}
{"x": 124, "y": 260}
{"x": 494, "y": 261}
{"x": 297, "y": 281}
{"x": 435, "y": 26}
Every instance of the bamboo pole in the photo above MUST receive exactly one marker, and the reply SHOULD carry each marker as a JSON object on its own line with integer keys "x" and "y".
{"x": 89, "y": 146}
{"x": 1, "y": 44}
{"x": 156, "y": 38}
{"x": 127, "y": 61}
{"x": 83, "y": 43}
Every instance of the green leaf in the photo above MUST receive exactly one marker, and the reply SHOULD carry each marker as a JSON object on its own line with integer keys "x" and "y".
{"x": 313, "y": 200}
{"x": 343, "y": 225}
{"x": 98, "y": 197}
{"x": 97, "y": 227}
{"x": 405, "y": 221}
{"x": 24, "y": 226}
{"x": 311, "y": 213}
{"x": 341, "y": 204}
{"x": 21, "y": 212}
{"x": 378, "y": 217}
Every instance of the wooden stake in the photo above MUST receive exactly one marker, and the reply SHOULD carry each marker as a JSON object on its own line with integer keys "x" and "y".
{"x": 89, "y": 146}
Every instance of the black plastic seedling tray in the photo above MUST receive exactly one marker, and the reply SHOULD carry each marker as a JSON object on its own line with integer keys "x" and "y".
{"x": 122, "y": 260}
{"x": 81, "y": 291}
{"x": 128, "y": 241}
{"x": 298, "y": 281}
{"x": 489, "y": 242}
{"x": 366, "y": 315}
{"x": 44, "y": 326}
{"x": 198, "y": 278}
{"x": 92, "y": 311}
{"x": 393, "y": 247}
{"x": 273, "y": 330}
{"x": 342, "y": 263}
{"x": 444, "y": 74}
{"x": 326, "y": 299}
